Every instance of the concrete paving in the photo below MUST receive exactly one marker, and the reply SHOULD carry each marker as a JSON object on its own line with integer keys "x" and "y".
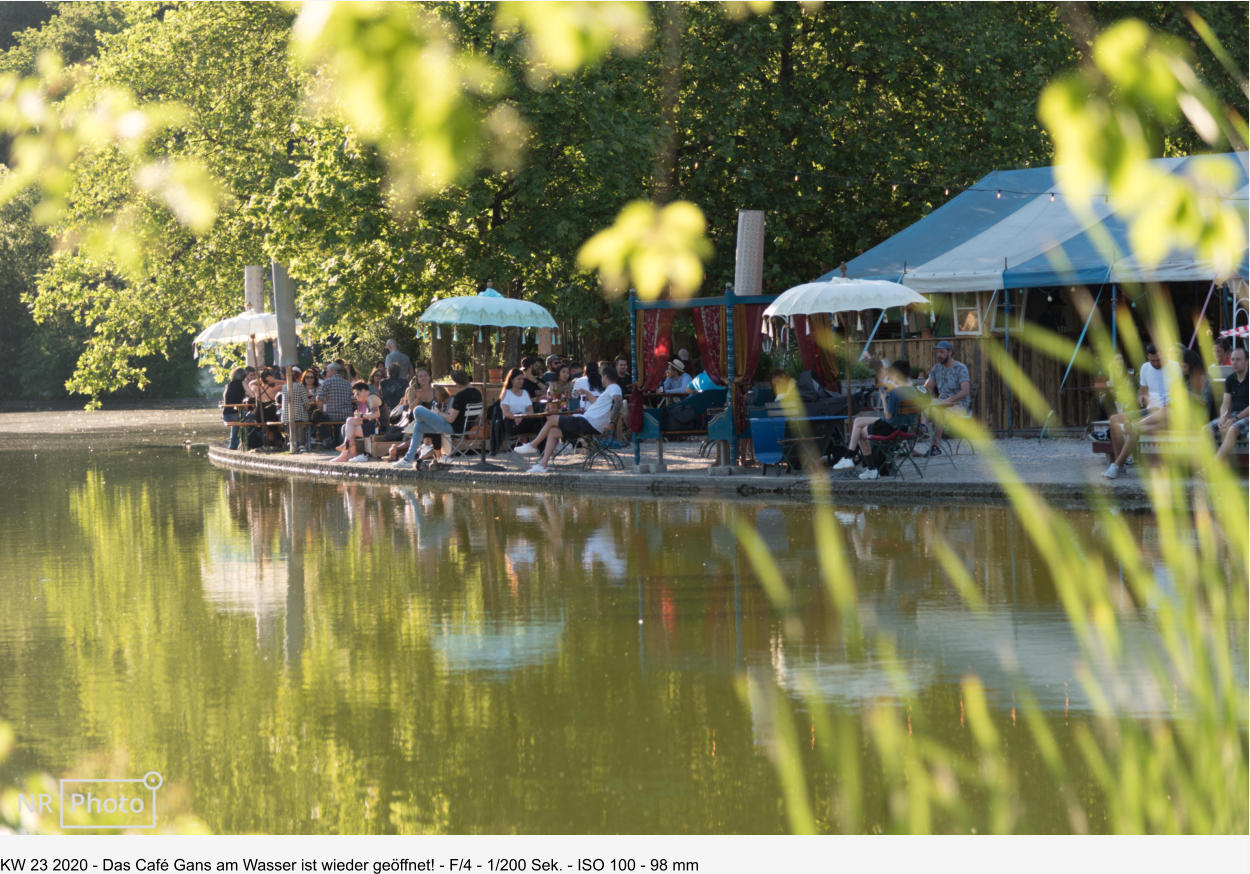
{"x": 1064, "y": 471}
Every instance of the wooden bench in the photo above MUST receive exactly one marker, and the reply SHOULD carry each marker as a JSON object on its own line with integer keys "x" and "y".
{"x": 1157, "y": 445}
{"x": 709, "y": 407}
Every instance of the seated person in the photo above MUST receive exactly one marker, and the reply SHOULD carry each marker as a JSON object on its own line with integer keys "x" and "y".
{"x": 596, "y": 420}
{"x": 533, "y": 368}
{"x": 886, "y": 382}
{"x": 1235, "y": 408}
{"x": 515, "y": 402}
{"x": 586, "y": 388}
{"x": 451, "y": 420}
{"x": 953, "y": 384}
{"x": 898, "y": 415}
{"x": 676, "y": 380}
{"x": 553, "y": 369}
{"x": 334, "y": 397}
{"x": 392, "y": 388}
{"x": 361, "y": 424}
{"x": 1152, "y": 398}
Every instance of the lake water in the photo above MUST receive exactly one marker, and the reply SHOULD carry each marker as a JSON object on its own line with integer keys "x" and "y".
{"x": 306, "y": 657}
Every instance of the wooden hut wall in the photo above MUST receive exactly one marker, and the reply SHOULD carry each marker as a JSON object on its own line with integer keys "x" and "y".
{"x": 1073, "y": 406}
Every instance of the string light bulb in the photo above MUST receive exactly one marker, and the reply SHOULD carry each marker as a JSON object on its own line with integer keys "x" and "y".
{"x": 894, "y": 187}
{"x": 998, "y": 195}
{"x": 946, "y": 192}
{"x": 1052, "y": 197}
{"x": 696, "y": 165}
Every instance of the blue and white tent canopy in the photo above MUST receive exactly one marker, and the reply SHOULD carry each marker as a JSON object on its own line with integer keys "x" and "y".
{"x": 1008, "y": 232}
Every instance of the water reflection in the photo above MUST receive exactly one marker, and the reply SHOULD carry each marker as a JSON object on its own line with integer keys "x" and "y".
{"x": 365, "y": 658}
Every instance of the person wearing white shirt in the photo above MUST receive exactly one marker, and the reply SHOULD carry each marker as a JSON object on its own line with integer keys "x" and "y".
{"x": 515, "y": 402}
{"x": 594, "y": 420}
{"x": 587, "y": 387}
{"x": 1152, "y": 397}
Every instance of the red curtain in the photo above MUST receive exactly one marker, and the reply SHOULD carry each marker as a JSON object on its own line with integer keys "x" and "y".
{"x": 655, "y": 346}
{"x": 709, "y": 330}
{"x": 748, "y": 341}
{"x": 816, "y": 348}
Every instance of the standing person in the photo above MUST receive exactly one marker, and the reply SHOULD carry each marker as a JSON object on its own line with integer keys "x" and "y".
{"x": 1234, "y": 419}
{"x": 1153, "y": 397}
{"x": 954, "y": 390}
{"x": 449, "y": 421}
{"x": 232, "y": 399}
{"x": 595, "y": 420}
{"x": 622, "y": 372}
{"x": 395, "y": 358}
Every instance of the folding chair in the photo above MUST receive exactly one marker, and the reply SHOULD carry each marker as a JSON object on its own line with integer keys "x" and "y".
{"x": 900, "y": 446}
{"x": 897, "y": 447}
{"x": 597, "y": 446}
{"x": 468, "y": 436}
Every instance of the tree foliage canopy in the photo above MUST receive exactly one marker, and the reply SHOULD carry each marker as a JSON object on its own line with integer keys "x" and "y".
{"x": 844, "y": 122}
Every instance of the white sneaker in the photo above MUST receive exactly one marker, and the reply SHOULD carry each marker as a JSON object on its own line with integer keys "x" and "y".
{"x": 870, "y": 473}
{"x": 360, "y": 458}
{"x": 538, "y": 468}
{"x": 1112, "y": 471}
{"x": 525, "y": 449}
{"x": 404, "y": 464}
{"x": 844, "y": 463}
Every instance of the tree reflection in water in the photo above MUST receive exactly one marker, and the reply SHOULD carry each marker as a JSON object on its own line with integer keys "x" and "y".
{"x": 360, "y": 658}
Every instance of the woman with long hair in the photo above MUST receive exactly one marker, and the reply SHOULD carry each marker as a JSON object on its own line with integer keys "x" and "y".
{"x": 363, "y": 423}
{"x": 515, "y": 402}
{"x": 589, "y": 386}
{"x": 559, "y": 389}
{"x": 424, "y": 385}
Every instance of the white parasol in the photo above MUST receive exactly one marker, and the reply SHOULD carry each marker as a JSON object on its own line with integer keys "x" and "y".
{"x": 248, "y": 326}
{"x": 839, "y": 295}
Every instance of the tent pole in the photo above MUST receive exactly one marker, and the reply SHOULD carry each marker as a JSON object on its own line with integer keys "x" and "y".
{"x": 1076, "y": 350}
{"x": 864, "y": 352}
{"x": 1113, "y": 316}
{"x": 1007, "y": 349}
{"x": 633, "y": 362}
{"x": 1202, "y": 314}
{"x": 731, "y": 374}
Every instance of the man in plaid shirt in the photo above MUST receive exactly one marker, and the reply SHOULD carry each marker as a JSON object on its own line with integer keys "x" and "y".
{"x": 335, "y": 395}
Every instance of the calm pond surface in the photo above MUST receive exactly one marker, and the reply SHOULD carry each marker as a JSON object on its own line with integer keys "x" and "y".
{"x": 305, "y": 657}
